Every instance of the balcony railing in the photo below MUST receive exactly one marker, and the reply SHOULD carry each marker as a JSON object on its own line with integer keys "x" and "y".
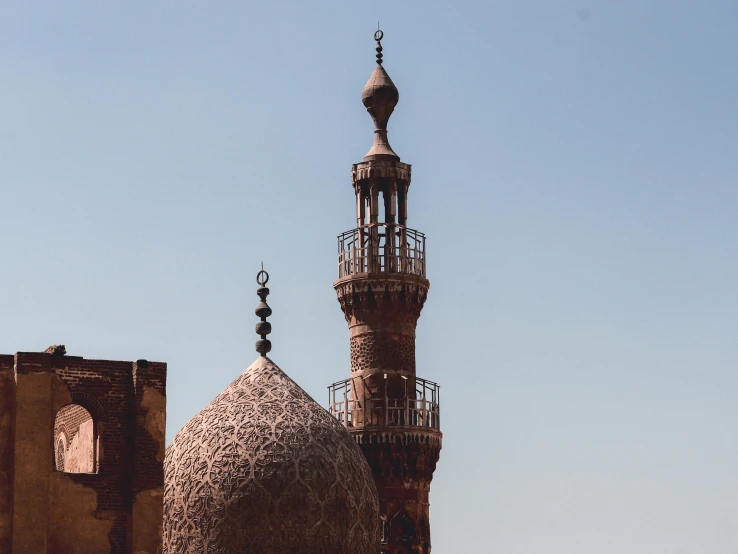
{"x": 381, "y": 247}
{"x": 420, "y": 408}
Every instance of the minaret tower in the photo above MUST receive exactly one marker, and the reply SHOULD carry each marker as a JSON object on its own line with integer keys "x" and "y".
{"x": 393, "y": 414}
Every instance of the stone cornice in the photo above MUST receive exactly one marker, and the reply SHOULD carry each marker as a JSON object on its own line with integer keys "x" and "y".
{"x": 382, "y": 296}
{"x": 385, "y": 169}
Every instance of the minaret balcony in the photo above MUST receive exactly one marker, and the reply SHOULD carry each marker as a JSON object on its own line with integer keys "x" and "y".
{"x": 381, "y": 248}
{"x": 420, "y": 409}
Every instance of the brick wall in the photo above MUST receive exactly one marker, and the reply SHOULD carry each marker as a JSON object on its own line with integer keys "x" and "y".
{"x": 7, "y": 399}
{"x": 76, "y": 453}
{"x": 113, "y": 392}
{"x": 69, "y": 418}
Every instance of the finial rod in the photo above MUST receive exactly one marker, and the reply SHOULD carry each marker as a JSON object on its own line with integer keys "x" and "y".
{"x": 263, "y": 327}
{"x": 378, "y": 36}
{"x": 380, "y": 96}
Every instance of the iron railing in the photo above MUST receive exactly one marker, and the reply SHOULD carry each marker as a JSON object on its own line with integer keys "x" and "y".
{"x": 381, "y": 248}
{"x": 420, "y": 408}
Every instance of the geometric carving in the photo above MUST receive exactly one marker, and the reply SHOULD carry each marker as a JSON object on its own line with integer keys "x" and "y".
{"x": 380, "y": 169}
{"x": 374, "y": 350}
{"x": 401, "y": 460}
{"x": 380, "y": 299}
{"x": 382, "y": 311}
{"x": 263, "y": 469}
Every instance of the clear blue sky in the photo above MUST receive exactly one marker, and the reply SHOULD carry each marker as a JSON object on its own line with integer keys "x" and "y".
{"x": 574, "y": 168}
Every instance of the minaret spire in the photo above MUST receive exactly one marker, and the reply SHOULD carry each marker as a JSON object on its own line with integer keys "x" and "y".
{"x": 393, "y": 414}
{"x": 380, "y": 96}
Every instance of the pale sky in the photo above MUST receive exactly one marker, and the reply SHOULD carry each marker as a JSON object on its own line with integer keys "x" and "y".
{"x": 574, "y": 170}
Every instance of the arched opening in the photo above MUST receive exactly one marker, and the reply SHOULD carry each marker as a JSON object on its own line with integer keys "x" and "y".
{"x": 383, "y": 530}
{"x": 402, "y": 529}
{"x": 75, "y": 440}
{"x": 61, "y": 450}
{"x": 424, "y": 534}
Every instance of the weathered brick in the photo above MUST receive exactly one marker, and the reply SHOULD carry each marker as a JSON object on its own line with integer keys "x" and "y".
{"x": 115, "y": 508}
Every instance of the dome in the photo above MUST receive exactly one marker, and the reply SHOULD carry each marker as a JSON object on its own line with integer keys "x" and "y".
{"x": 264, "y": 469}
{"x": 380, "y": 95}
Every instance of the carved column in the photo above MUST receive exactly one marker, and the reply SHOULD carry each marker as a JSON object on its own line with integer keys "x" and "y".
{"x": 382, "y": 311}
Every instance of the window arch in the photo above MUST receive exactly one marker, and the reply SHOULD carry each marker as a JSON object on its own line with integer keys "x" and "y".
{"x": 383, "y": 530}
{"x": 61, "y": 450}
{"x": 402, "y": 528}
{"x": 75, "y": 440}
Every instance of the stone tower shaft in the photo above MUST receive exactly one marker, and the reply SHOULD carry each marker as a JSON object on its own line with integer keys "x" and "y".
{"x": 392, "y": 413}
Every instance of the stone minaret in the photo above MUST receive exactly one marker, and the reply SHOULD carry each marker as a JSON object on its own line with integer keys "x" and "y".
{"x": 393, "y": 414}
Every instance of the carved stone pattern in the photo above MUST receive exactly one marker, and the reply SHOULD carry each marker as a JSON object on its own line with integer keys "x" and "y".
{"x": 391, "y": 435}
{"x": 403, "y": 460}
{"x": 386, "y": 299}
{"x": 405, "y": 465}
{"x": 382, "y": 169}
{"x": 383, "y": 351}
{"x": 263, "y": 469}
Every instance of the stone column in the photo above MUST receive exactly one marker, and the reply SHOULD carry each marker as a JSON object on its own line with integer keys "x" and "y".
{"x": 7, "y": 420}
{"x": 34, "y": 454}
{"x": 382, "y": 311}
{"x": 149, "y": 444}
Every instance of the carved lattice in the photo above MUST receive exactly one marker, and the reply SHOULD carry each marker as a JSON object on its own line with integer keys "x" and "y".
{"x": 263, "y": 469}
{"x": 383, "y": 351}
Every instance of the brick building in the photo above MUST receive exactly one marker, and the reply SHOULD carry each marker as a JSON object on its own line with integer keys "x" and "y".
{"x": 81, "y": 454}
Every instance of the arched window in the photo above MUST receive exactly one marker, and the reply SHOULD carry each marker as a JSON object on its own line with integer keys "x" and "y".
{"x": 402, "y": 528}
{"x": 383, "y": 530}
{"x": 424, "y": 534}
{"x": 75, "y": 440}
{"x": 61, "y": 449}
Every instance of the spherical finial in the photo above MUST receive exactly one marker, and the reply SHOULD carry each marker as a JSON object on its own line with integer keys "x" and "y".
{"x": 378, "y": 37}
{"x": 263, "y": 327}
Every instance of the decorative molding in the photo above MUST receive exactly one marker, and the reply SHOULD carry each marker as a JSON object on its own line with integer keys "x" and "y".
{"x": 382, "y": 169}
{"x": 374, "y": 298}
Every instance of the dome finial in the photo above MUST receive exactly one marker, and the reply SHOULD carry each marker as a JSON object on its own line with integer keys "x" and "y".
{"x": 263, "y": 328}
{"x": 378, "y": 37}
{"x": 380, "y": 96}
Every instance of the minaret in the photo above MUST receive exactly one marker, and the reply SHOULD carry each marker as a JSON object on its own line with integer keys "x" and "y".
{"x": 393, "y": 414}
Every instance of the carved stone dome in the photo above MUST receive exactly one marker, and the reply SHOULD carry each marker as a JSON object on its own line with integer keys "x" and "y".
{"x": 263, "y": 469}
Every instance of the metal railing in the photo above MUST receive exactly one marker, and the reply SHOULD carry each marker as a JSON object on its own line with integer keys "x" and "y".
{"x": 420, "y": 408}
{"x": 381, "y": 248}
